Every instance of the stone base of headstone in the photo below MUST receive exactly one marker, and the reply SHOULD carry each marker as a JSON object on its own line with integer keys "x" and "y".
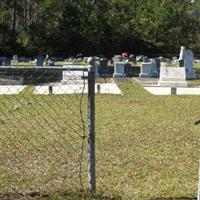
{"x": 172, "y": 83}
{"x": 191, "y": 74}
{"x": 118, "y": 75}
{"x": 172, "y": 77}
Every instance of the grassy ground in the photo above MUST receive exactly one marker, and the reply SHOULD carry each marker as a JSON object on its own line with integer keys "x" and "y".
{"x": 150, "y": 145}
{"x": 57, "y": 63}
{"x": 147, "y": 147}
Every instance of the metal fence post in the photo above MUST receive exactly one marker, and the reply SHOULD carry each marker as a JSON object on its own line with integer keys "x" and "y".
{"x": 198, "y": 195}
{"x": 91, "y": 138}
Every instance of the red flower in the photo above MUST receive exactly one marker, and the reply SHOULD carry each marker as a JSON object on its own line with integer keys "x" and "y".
{"x": 125, "y": 54}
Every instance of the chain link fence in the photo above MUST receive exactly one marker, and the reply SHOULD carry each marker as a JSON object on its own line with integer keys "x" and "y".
{"x": 43, "y": 130}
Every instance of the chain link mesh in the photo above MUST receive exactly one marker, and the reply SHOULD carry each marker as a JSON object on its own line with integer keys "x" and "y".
{"x": 43, "y": 129}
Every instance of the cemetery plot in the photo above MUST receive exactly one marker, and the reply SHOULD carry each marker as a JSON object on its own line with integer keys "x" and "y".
{"x": 168, "y": 90}
{"x": 103, "y": 88}
{"x": 11, "y": 89}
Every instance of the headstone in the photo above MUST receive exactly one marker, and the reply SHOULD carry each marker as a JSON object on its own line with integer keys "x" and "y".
{"x": 6, "y": 62}
{"x": 128, "y": 69}
{"x": 92, "y": 61}
{"x": 182, "y": 53}
{"x": 118, "y": 58}
{"x": 119, "y": 70}
{"x": 188, "y": 64}
{"x": 158, "y": 64}
{"x": 162, "y": 59}
{"x": 70, "y": 77}
{"x": 40, "y": 60}
{"x": 181, "y": 63}
{"x": 50, "y": 62}
{"x": 79, "y": 60}
{"x": 139, "y": 58}
{"x": 15, "y": 58}
{"x": 145, "y": 59}
{"x": 80, "y": 55}
{"x": 85, "y": 59}
{"x": 148, "y": 69}
{"x": 103, "y": 66}
{"x": 172, "y": 77}
{"x": 132, "y": 58}
{"x": 46, "y": 59}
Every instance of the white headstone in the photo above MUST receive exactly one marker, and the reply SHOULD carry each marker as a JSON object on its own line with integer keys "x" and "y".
{"x": 70, "y": 76}
{"x": 172, "y": 77}
{"x": 15, "y": 58}
{"x": 182, "y": 53}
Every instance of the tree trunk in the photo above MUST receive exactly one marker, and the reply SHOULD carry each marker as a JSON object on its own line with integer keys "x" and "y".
{"x": 14, "y": 16}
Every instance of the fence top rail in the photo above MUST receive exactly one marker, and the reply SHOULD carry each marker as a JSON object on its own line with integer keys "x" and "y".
{"x": 49, "y": 68}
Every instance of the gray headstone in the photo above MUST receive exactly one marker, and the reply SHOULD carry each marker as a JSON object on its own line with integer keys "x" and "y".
{"x": 40, "y": 60}
{"x": 128, "y": 69}
{"x": 15, "y": 58}
{"x": 103, "y": 66}
{"x": 188, "y": 64}
{"x": 157, "y": 64}
{"x": 119, "y": 70}
{"x": 6, "y": 62}
{"x": 148, "y": 69}
{"x": 145, "y": 59}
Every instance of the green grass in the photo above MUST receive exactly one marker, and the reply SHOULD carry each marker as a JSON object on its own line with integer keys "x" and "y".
{"x": 57, "y": 63}
{"x": 147, "y": 146}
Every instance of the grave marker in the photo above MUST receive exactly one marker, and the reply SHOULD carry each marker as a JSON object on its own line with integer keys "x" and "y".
{"x": 172, "y": 77}
{"x": 40, "y": 60}
{"x": 188, "y": 64}
{"x": 148, "y": 69}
